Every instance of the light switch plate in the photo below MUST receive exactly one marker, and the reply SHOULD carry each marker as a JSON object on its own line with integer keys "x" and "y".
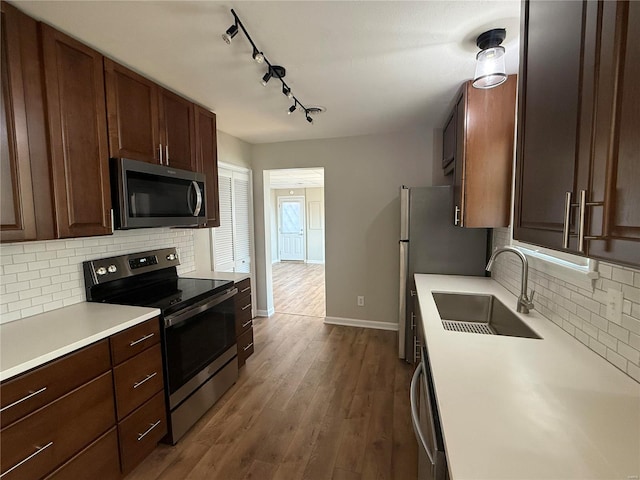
{"x": 614, "y": 305}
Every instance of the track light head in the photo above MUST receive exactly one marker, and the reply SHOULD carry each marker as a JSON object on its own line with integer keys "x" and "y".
{"x": 258, "y": 56}
{"x": 309, "y": 119}
{"x": 231, "y": 32}
{"x": 265, "y": 79}
{"x": 292, "y": 109}
{"x": 287, "y": 91}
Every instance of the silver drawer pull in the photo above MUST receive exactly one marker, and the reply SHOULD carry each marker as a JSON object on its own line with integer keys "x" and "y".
{"x": 245, "y": 289}
{"x": 153, "y": 425}
{"x": 31, "y": 394}
{"x": 146, "y": 337}
{"x": 246, "y": 306}
{"x": 245, "y": 324}
{"x": 22, "y": 462}
{"x": 149, "y": 377}
{"x": 247, "y": 347}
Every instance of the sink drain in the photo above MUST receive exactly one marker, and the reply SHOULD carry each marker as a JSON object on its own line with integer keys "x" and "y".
{"x": 468, "y": 327}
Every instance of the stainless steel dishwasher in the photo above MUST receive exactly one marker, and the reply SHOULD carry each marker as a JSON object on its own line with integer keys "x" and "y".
{"x": 432, "y": 461}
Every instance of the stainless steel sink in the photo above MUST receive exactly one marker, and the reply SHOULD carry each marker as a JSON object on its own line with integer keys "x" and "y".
{"x": 477, "y": 313}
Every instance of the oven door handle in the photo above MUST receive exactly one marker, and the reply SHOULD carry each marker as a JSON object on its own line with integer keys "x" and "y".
{"x": 198, "y": 308}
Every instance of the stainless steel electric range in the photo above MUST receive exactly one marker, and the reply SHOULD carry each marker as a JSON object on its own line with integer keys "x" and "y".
{"x": 197, "y": 325}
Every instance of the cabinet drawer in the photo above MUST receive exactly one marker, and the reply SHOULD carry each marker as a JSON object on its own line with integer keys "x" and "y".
{"x": 244, "y": 287}
{"x": 141, "y": 431}
{"x": 30, "y": 391}
{"x": 99, "y": 460}
{"x": 137, "y": 380}
{"x": 243, "y": 316}
{"x": 53, "y": 434}
{"x": 134, "y": 340}
{"x": 245, "y": 346}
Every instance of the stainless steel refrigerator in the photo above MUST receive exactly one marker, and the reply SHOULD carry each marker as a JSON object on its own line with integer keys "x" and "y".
{"x": 430, "y": 243}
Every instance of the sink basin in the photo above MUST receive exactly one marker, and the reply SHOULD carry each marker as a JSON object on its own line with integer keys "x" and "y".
{"x": 477, "y": 313}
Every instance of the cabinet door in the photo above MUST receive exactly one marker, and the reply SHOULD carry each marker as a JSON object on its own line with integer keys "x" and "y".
{"x": 178, "y": 131}
{"x": 207, "y": 156}
{"x": 550, "y": 99}
{"x": 132, "y": 110}
{"x": 77, "y": 126}
{"x": 17, "y": 211}
{"x": 615, "y": 172}
{"x": 458, "y": 169}
{"x": 449, "y": 144}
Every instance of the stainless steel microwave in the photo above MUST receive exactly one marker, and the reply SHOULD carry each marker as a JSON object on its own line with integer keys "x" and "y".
{"x": 148, "y": 195}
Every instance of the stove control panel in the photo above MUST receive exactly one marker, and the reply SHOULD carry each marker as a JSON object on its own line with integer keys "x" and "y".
{"x": 105, "y": 270}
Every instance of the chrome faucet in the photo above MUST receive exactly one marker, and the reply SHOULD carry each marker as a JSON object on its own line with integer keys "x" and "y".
{"x": 524, "y": 302}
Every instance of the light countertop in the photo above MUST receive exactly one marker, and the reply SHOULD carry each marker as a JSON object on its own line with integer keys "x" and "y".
{"x": 34, "y": 341}
{"x": 519, "y": 408}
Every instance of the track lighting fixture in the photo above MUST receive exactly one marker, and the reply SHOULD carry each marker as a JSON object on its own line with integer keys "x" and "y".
{"x": 258, "y": 56}
{"x": 490, "y": 67}
{"x": 231, "y": 32}
{"x": 273, "y": 70}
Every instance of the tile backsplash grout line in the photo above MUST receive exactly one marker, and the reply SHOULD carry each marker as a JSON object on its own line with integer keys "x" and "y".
{"x": 581, "y": 313}
{"x": 37, "y": 277}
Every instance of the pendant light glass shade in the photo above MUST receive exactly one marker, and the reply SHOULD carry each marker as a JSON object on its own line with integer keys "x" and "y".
{"x": 490, "y": 68}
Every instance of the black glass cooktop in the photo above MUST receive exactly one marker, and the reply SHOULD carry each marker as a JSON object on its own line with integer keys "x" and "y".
{"x": 172, "y": 294}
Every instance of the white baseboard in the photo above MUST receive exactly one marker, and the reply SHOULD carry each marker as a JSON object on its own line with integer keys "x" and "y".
{"x": 318, "y": 262}
{"x": 355, "y": 322}
{"x": 265, "y": 313}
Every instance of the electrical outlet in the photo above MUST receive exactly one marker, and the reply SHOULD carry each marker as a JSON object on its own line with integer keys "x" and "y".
{"x": 614, "y": 305}
{"x": 360, "y": 300}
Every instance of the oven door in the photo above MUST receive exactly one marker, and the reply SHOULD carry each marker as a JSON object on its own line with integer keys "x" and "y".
{"x": 195, "y": 341}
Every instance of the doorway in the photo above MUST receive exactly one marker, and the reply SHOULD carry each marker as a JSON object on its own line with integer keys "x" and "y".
{"x": 297, "y": 241}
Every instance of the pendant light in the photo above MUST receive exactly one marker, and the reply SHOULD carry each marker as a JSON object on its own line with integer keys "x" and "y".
{"x": 490, "y": 66}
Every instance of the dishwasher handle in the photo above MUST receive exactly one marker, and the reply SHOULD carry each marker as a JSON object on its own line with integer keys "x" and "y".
{"x": 415, "y": 418}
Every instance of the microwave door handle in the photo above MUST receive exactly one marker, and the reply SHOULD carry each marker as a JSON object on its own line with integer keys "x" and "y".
{"x": 196, "y": 212}
{"x": 134, "y": 212}
{"x": 415, "y": 418}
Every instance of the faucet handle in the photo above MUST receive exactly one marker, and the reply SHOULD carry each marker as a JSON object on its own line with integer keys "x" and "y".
{"x": 530, "y": 304}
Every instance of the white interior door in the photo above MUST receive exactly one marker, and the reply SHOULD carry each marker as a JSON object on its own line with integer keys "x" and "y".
{"x": 291, "y": 228}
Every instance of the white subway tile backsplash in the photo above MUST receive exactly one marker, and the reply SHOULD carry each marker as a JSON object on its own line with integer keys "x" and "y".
{"x": 43, "y": 276}
{"x": 583, "y": 313}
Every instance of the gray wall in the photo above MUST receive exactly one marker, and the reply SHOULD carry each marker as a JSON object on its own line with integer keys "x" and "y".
{"x": 362, "y": 221}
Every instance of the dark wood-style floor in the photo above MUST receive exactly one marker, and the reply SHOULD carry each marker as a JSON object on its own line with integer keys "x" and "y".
{"x": 315, "y": 401}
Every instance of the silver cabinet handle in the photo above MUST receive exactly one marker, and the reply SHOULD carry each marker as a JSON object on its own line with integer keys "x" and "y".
{"x": 245, "y": 307}
{"x": 413, "y": 321}
{"x": 160, "y": 149}
{"x": 456, "y": 217}
{"x": 582, "y": 211}
{"x": 22, "y": 462}
{"x": 31, "y": 394}
{"x": 146, "y": 379}
{"x": 146, "y": 337}
{"x": 247, "y": 347}
{"x": 245, "y": 289}
{"x": 245, "y": 324}
{"x": 153, "y": 425}
{"x": 415, "y": 418}
{"x": 166, "y": 154}
{"x": 567, "y": 220}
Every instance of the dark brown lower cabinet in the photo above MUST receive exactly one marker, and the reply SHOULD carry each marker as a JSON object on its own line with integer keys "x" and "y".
{"x": 80, "y": 416}
{"x": 244, "y": 321}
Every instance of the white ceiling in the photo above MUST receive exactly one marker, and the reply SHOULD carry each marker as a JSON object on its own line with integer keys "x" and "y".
{"x": 296, "y": 178}
{"x": 376, "y": 66}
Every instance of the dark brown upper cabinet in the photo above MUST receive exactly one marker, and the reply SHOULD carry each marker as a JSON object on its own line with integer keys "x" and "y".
{"x": 147, "y": 122}
{"x": 482, "y": 153}
{"x": 74, "y": 84}
{"x": 578, "y": 160}
{"x": 177, "y": 130}
{"x": 132, "y": 113}
{"x": 26, "y": 208}
{"x": 207, "y": 161}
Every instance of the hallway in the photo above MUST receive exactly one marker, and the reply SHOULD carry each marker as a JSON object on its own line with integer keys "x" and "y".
{"x": 298, "y": 288}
